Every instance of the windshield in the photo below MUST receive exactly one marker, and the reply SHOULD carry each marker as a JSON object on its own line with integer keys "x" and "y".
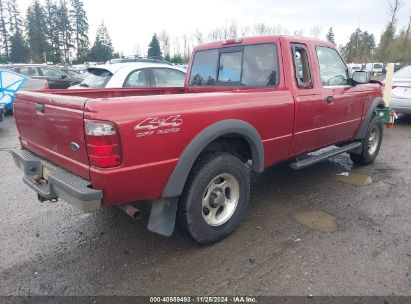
{"x": 403, "y": 73}
{"x": 97, "y": 78}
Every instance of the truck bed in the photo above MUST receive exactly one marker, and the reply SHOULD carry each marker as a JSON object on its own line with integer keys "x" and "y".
{"x": 115, "y": 92}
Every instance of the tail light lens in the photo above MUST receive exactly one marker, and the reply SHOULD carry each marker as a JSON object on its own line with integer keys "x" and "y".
{"x": 103, "y": 144}
{"x": 46, "y": 86}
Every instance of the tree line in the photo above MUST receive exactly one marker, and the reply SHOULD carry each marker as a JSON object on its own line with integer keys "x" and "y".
{"x": 54, "y": 31}
{"x": 393, "y": 46}
{"x": 57, "y": 31}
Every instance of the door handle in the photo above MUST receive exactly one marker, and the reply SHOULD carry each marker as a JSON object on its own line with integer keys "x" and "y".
{"x": 40, "y": 107}
{"x": 329, "y": 99}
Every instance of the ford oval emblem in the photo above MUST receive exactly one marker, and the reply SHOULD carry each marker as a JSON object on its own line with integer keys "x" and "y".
{"x": 74, "y": 146}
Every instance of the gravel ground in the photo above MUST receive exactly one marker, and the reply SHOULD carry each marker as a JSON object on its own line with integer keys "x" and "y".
{"x": 306, "y": 232}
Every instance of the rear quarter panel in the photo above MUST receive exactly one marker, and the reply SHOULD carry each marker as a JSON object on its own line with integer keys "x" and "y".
{"x": 149, "y": 160}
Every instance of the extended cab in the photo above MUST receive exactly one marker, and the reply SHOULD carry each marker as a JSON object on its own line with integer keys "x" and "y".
{"x": 247, "y": 104}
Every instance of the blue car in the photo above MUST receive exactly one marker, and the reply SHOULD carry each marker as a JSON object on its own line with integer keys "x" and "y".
{"x": 10, "y": 83}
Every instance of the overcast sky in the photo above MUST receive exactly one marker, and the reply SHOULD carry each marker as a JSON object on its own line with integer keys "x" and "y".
{"x": 132, "y": 22}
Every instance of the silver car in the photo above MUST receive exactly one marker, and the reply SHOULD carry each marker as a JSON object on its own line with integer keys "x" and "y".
{"x": 401, "y": 93}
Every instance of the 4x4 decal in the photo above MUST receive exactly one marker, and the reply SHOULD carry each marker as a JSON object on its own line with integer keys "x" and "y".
{"x": 158, "y": 125}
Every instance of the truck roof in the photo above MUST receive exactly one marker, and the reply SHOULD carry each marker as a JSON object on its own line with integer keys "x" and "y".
{"x": 260, "y": 39}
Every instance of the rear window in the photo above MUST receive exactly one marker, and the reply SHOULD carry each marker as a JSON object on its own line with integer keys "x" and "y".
{"x": 377, "y": 66}
{"x": 251, "y": 65}
{"x": 97, "y": 78}
{"x": 403, "y": 73}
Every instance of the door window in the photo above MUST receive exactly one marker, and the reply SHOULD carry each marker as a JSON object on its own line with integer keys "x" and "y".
{"x": 302, "y": 67}
{"x": 136, "y": 78}
{"x": 332, "y": 68}
{"x": 168, "y": 77}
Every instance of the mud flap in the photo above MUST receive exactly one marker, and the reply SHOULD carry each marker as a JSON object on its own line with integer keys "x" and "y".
{"x": 163, "y": 216}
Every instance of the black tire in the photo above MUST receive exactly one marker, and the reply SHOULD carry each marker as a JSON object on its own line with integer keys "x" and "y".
{"x": 191, "y": 211}
{"x": 369, "y": 155}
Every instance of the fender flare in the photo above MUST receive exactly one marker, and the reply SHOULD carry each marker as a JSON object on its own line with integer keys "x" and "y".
{"x": 177, "y": 180}
{"x": 376, "y": 103}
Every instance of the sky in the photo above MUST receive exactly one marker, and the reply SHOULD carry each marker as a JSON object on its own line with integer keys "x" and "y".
{"x": 131, "y": 23}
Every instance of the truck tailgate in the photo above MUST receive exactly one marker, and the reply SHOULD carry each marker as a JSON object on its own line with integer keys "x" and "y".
{"x": 52, "y": 126}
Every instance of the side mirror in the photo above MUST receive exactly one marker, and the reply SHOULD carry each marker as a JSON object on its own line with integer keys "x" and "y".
{"x": 359, "y": 77}
{"x": 63, "y": 76}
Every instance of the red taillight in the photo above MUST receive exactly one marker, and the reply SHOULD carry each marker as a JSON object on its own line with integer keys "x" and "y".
{"x": 46, "y": 86}
{"x": 103, "y": 144}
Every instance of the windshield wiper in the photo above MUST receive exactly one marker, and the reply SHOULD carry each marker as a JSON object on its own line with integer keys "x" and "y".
{"x": 85, "y": 85}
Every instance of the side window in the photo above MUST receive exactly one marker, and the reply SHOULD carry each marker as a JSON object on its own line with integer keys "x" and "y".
{"x": 302, "y": 66}
{"x": 332, "y": 68}
{"x": 168, "y": 77}
{"x": 28, "y": 71}
{"x": 229, "y": 69}
{"x": 204, "y": 68}
{"x": 52, "y": 73}
{"x": 260, "y": 65}
{"x": 136, "y": 78}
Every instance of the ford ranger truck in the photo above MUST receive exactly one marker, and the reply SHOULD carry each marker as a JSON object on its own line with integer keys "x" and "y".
{"x": 247, "y": 104}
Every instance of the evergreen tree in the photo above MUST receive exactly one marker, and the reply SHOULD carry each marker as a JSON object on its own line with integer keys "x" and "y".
{"x": 52, "y": 32}
{"x": 65, "y": 30}
{"x": 80, "y": 28}
{"x": 331, "y": 36}
{"x": 15, "y": 22}
{"x": 4, "y": 31}
{"x": 36, "y": 29}
{"x": 154, "y": 50}
{"x": 18, "y": 48}
{"x": 360, "y": 47}
{"x": 19, "y": 51}
{"x": 102, "y": 49}
{"x": 387, "y": 38}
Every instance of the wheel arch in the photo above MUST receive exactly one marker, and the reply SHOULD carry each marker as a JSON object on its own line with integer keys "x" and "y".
{"x": 376, "y": 103}
{"x": 177, "y": 180}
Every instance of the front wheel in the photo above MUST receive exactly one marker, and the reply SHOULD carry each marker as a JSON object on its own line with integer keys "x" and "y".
{"x": 371, "y": 144}
{"x": 215, "y": 197}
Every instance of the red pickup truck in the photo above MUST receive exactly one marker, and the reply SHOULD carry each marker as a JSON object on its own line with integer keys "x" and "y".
{"x": 247, "y": 104}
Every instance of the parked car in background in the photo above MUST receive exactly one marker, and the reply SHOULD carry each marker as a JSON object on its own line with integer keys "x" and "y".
{"x": 401, "y": 91}
{"x": 354, "y": 67}
{"x": 133, "y": 58}
{"x": 30, "y": 85}
{"x": 374, "y": 68}
{"x": 136, "y": 74}
{"x": 2, "y": 112}
{"x": 72, "y": 72}
{"x": 55, "y": 78}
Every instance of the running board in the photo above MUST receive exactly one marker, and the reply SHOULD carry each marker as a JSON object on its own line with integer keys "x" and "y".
{"x": 318, "y": 158}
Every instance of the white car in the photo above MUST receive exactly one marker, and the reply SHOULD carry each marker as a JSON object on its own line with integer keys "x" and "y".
{"x": 401, "y": 93}
{"x": 136, "y": 74}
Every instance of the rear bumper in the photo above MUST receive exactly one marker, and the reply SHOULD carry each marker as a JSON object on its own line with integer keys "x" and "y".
{"x": 60, "y": 182}
{"x": 401, "y": 105}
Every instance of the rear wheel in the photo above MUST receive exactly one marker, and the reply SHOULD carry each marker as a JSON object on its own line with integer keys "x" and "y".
{"x": 215, "y": 198}
{"x": 371, "y": 143}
